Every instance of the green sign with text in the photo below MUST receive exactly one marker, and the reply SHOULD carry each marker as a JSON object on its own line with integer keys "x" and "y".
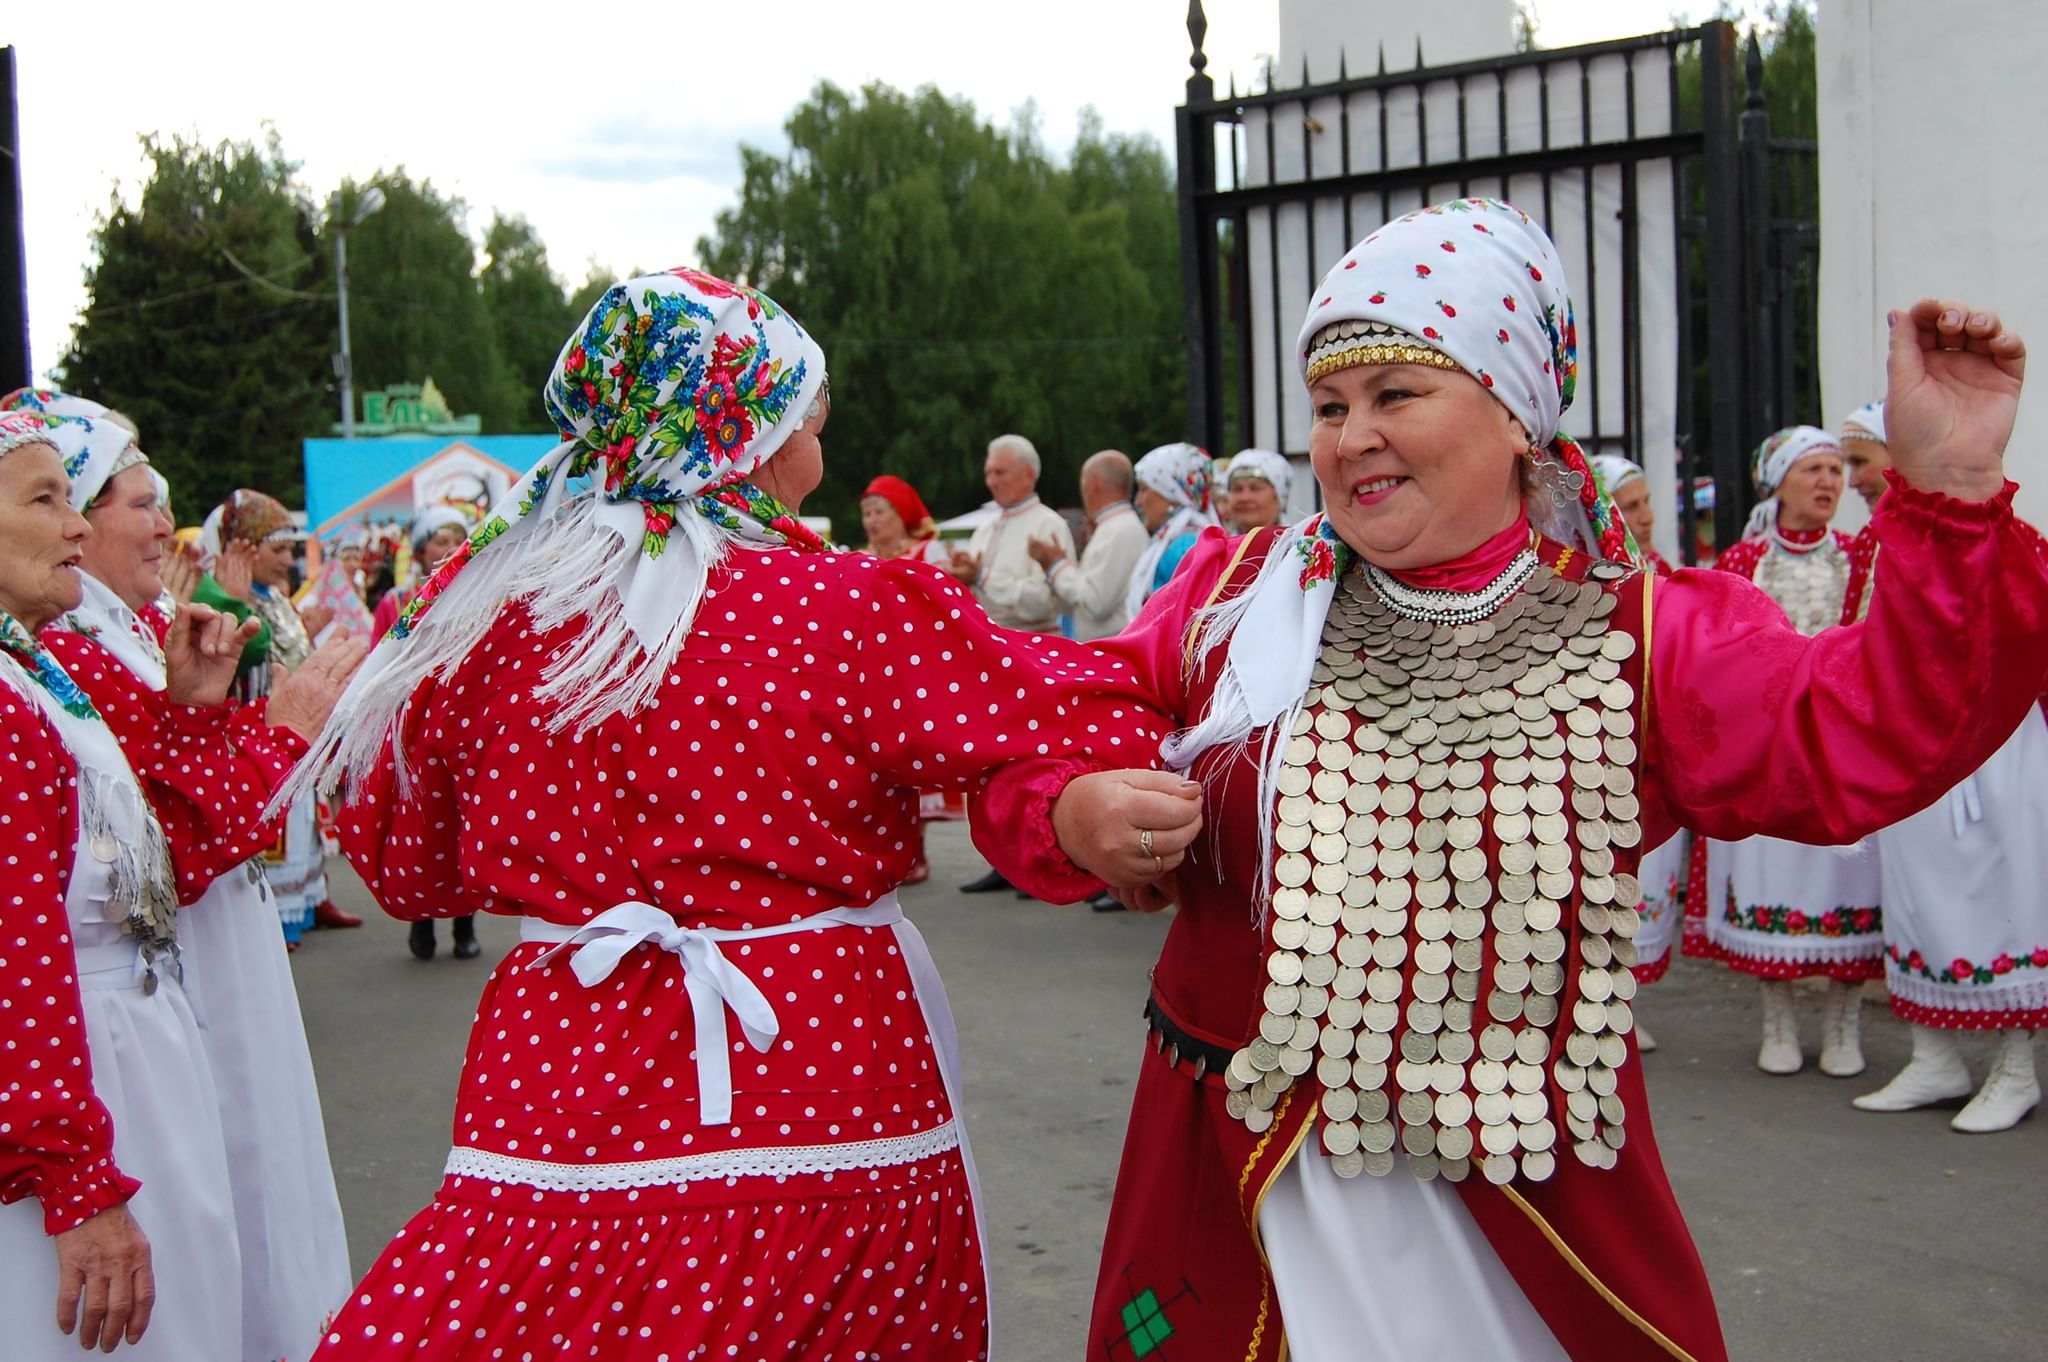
{"x": 412, "y": 409}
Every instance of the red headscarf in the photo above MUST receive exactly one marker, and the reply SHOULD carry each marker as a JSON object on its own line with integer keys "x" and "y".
{"x": 903, "y": 498}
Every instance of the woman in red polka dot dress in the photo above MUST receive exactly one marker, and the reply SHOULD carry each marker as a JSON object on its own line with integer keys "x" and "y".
{"x": 709, "y": 1106}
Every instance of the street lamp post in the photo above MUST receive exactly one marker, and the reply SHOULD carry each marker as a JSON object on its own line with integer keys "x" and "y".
{"x": 372, "y": 200}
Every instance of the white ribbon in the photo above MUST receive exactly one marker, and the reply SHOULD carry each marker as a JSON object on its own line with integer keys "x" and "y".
{"x": 714, "y": 983}
{"x": 1965, "y": 806}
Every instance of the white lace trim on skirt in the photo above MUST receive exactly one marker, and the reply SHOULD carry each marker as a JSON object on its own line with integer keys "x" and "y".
{"x": 778, "y": 1161}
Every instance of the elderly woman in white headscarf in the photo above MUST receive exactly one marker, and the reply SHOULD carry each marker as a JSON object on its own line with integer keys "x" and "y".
{"x": 1256, "y": 488}
{"x": 115, "y": 1200}
{"x": 710, "y": 1104}
{"x": 1775, "y": 908}
{"x": 294, "y": 1254}
{"x": 1392, "y": 1107}
{"x": 1173, "y": 501}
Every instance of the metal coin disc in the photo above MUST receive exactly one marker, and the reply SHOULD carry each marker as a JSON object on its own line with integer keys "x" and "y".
{"x": 1432, "y": 893}
{"x": 1626, "y": 834}
{"x": 1516, "y": 858}
{"x": 1435, "y": 988}
{"x": 1340, "y": 1137}
{"x": 1512, "y": 945}
{"x": 1528, "y": 1106}
{"x": 1541, "y": 1009}
{"x": 1543, "y": 913}
{"x": 1418, "y": 1047}
{"x": 1329, "y": 877}
{"x": 1596, "y": 951}
{"x": 1547, "y": 977}
{"x": 1295, "y": 1063}
{"x": 1510, "y": 917}
{"x": 1283, "y": 967}
{"x": 1512, "y": 827}
{"x": 1395, "y": 862}
{"x": 1327, "y": 818}
{"x": 1549, "y": 829}
{"x": 1429, "y": 865}
{"x": 1330, "y": 787}
{"x": 1511, "y": 976}
{"x": 1324, "y": 909}
{"x": 1344, "y": 1012}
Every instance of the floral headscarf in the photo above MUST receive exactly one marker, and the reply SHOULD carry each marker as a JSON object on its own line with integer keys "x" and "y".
{"x": 1614, "y": 471}
{"x": 1475, "y": 285}
{"x": 1181, "y": 473}
{"x": 95, "y": 447}
{"x": 675, "y": 389}
{"x": 1773, "y": 459}
{"x": 1267, "y": 466}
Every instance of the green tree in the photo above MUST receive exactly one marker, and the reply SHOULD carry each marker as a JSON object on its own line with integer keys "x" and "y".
{"x": 417, "y": 309}
{"x": 529, "y": 312}
{"x": 963, "y": 285}
{"x": 210, "y": 319}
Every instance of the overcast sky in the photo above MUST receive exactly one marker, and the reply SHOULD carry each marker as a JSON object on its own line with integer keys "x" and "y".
{"x": 615, "y": 130}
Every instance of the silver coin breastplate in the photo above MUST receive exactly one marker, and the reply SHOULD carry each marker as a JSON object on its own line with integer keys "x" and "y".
{"x": 1451, "y": 945}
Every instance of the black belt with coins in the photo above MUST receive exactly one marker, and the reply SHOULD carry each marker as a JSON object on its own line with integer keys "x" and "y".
{"x": 1182, "y": 1048}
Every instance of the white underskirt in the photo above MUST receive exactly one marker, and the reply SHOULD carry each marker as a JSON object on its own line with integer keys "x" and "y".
{"x": 1389, "y": 1270}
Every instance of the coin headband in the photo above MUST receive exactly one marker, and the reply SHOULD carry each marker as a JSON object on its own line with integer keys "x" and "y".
{"x": 1349, "y": 344}
{"x": 1453, "y": 607}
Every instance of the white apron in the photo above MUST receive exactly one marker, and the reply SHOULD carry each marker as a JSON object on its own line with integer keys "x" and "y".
{"x": 238, "y": 980}
{"x": 150, "y": 1071}
{"x": 1966, "y": 883}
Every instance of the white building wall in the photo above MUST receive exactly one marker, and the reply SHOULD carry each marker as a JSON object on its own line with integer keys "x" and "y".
{"x": 1931, "y": 120}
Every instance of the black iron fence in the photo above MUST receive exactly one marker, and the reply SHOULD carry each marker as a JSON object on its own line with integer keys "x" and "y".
{"x": 1688, "y": 234}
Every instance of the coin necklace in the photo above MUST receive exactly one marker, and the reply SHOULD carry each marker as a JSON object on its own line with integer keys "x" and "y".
{"x": 1447, "y": 905}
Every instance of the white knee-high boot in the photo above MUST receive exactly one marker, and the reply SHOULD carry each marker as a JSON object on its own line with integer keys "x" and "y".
{"x": 2010, "y": 1091}
{"x": 1935, "y": 1073}
{"x": 1841, "y": 1046}
{"x": 1779, "y": 1053}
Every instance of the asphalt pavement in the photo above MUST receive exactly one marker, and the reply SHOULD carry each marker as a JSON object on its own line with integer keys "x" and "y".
{"x": 1828, "y": 1233}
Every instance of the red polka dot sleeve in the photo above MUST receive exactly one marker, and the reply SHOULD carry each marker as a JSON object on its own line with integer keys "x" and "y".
{"x": 776, "y": 774}
{"x": 56, "y": 1139}
{"x": 1012, "y": 818}
{"x": 209, "y": 770}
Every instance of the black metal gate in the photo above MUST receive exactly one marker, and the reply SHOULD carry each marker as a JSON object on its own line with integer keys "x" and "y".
{"x": 1689, "y": 234}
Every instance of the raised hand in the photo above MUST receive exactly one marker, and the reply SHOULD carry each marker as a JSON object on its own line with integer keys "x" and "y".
{"x": 201, "y": 652}
{"x": 105, "y": 1286}
{"x": 1127, "y": 828}
{"x": 1954, "y": 376}
{"x": 179, "y": 572}
{"x": 234, "y": 571}
{"x": 303, "y": 700}
{"x": 316, "y": 618}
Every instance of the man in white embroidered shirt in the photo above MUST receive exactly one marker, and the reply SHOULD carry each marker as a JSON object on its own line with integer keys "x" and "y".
{"x": 997, "y": 563}
{"x": 1094, "y": 587}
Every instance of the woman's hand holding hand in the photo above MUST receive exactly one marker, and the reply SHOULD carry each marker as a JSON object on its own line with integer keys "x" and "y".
{"x": 1128, "y": 828}
{"x": 303, "y": 700}
{"x": 1954, "y": 376}
{"x": 201, "y": 653}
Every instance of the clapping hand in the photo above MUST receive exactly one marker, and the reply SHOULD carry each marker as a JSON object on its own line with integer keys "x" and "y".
{"x": 964, "y": 567}
{"x": 1954, "y": 388}
{"x": 303, "y": 700}
{"x": 1046, "y": 552}
{"x": 201, "y": 653}
{"x": 179, "y": 571}
{"x": 234, "y": 571}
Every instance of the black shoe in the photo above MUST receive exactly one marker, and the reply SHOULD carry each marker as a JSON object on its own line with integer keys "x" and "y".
{"x": 422, "y": 940}
{"x": 986, "y": 884}
{"x": 1105, "y": 903}
{"x": 465, "y": 939}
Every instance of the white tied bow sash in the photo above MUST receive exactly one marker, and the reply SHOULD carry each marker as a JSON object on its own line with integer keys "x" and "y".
{"x": 715, "y": 984}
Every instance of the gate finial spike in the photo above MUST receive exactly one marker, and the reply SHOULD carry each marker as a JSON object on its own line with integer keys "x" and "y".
{"x": 1418, "y": 51}
{"x": 1198, "y": 29}
{"x": 1383, "y": 56}
{"x": 1343, "y": 72}
{"x": 1753, "y": 72}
